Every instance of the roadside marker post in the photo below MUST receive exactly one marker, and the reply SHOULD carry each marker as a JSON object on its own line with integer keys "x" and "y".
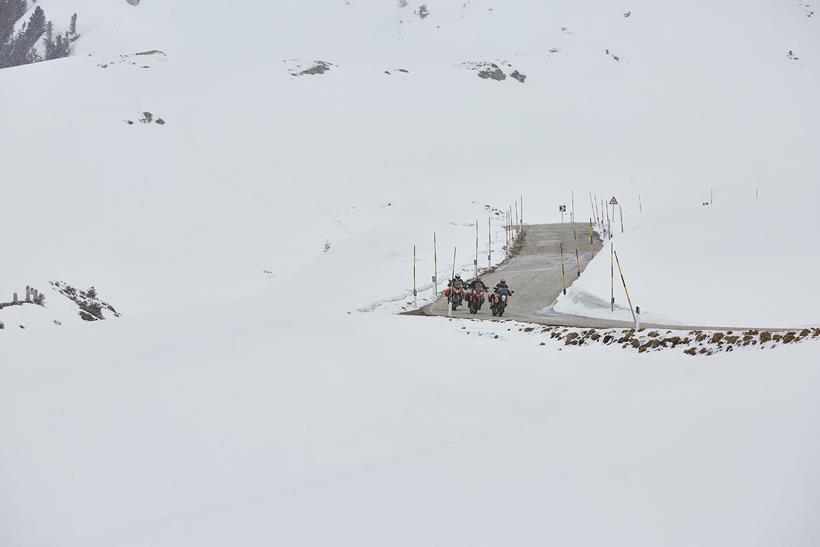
{"x": 415, "y": 287}
{"x": 621, "y": 272}
{"x": 621, "y": 212}
{"x": 489, "y": 243}
{"x": 517, "y": 223}
{"x": 572, "y": 216}
{"x": 577, "y": 258}
{"x": 563, "y": 274}
{"x": 591, "y": 243}
{"x": 506, "y": 240}
{"x": 450, "y": 286}
{"x": 435, "y": 264}
{"x": 611, "y": 277}
{"x": 475, "y": 262}
{"x": 592, "y": 204}
{"x": 597, "y": 211}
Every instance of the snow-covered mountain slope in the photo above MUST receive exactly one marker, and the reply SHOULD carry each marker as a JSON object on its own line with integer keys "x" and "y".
{"x": 748, "y": 261}
{"x": 254, "y": 167}
{"x": 244, "y": 183}
{"x": 247, "y": 428}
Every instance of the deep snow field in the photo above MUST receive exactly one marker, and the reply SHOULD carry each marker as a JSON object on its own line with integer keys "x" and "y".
{"x": 259, "y": 388}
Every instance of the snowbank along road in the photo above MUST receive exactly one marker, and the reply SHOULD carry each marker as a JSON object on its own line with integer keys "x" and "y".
{"x": 535, "y": 274}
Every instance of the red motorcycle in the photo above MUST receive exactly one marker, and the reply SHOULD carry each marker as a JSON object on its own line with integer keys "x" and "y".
{"x": 475, "y": 299}
{"x": 498, "y": 303}
{"x": 455, "y": 297}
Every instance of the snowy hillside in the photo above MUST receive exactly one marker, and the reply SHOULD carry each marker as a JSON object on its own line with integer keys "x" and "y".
{"x": 255, "y": 169}
{"x": 243, "y": 189}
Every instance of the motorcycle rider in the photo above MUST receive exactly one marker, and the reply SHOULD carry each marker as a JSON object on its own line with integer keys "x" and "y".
{"x": 478, "y": 284}
{"x": 502, "y": 288}
{"x": 456, "y": 284}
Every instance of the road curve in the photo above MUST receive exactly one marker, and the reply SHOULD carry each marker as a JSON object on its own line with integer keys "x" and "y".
{"x": 536, "y": 277}
{"x": 534, "y": 273}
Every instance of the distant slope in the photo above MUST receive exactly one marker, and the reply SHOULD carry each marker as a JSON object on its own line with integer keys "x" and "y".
{"x": 254, "y": 169}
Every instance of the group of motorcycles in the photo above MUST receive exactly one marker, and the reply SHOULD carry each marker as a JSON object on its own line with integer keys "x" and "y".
{"x": 475, "y": 300}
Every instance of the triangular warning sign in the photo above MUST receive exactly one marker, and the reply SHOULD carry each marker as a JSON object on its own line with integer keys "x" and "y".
{"x": 613, "y": 201}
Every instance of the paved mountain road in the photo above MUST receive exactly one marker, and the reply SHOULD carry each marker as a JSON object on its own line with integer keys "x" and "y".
{"x": 535, "y": 276}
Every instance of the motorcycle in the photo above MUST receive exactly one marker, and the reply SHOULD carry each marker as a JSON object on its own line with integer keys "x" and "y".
{"x": 475, "y": 299}
{"x": 455, "y": 297}
{"x": 498, "y": 304}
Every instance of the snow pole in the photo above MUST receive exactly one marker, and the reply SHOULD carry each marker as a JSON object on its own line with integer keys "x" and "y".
{"x": 611, "y": 277}
{"x": 591, "y": 242}
{"x": 621, "y": 212}
{"x": 595, "y": 207}
{"x": 522, "y": 210}
{"x": 572, "y": 218}
{"x": 451, "y": 285}
{"x": 507, "y": 235}
{"x": 620, "y": 271}
{"x": 489, "y": 242}
{"x": 516, "y": 215}
{"x": 608, "y": 223}
{"x": 435, "y": 264}
{"x": 577, "y": 258}
{"x": 415, "y": 292}
{"x": 592, "y": 204}
{"x": 563, "y": 273}
{"x": 475, "y": 262}
{"x": 506, "y": 240}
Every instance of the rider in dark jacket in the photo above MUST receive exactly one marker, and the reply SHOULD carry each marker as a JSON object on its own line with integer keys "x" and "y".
{"x": 478, "y": 284}
{"x": 502, "y": 288}
{"x": 457, "y": 283}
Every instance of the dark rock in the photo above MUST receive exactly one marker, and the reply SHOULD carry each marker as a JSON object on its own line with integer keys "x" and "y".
{"x": 518, "y": 76}
{"x": 492, "y": 72}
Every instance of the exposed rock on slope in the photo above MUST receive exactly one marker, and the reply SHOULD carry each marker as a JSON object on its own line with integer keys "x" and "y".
{"x": 494, "y": 70}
